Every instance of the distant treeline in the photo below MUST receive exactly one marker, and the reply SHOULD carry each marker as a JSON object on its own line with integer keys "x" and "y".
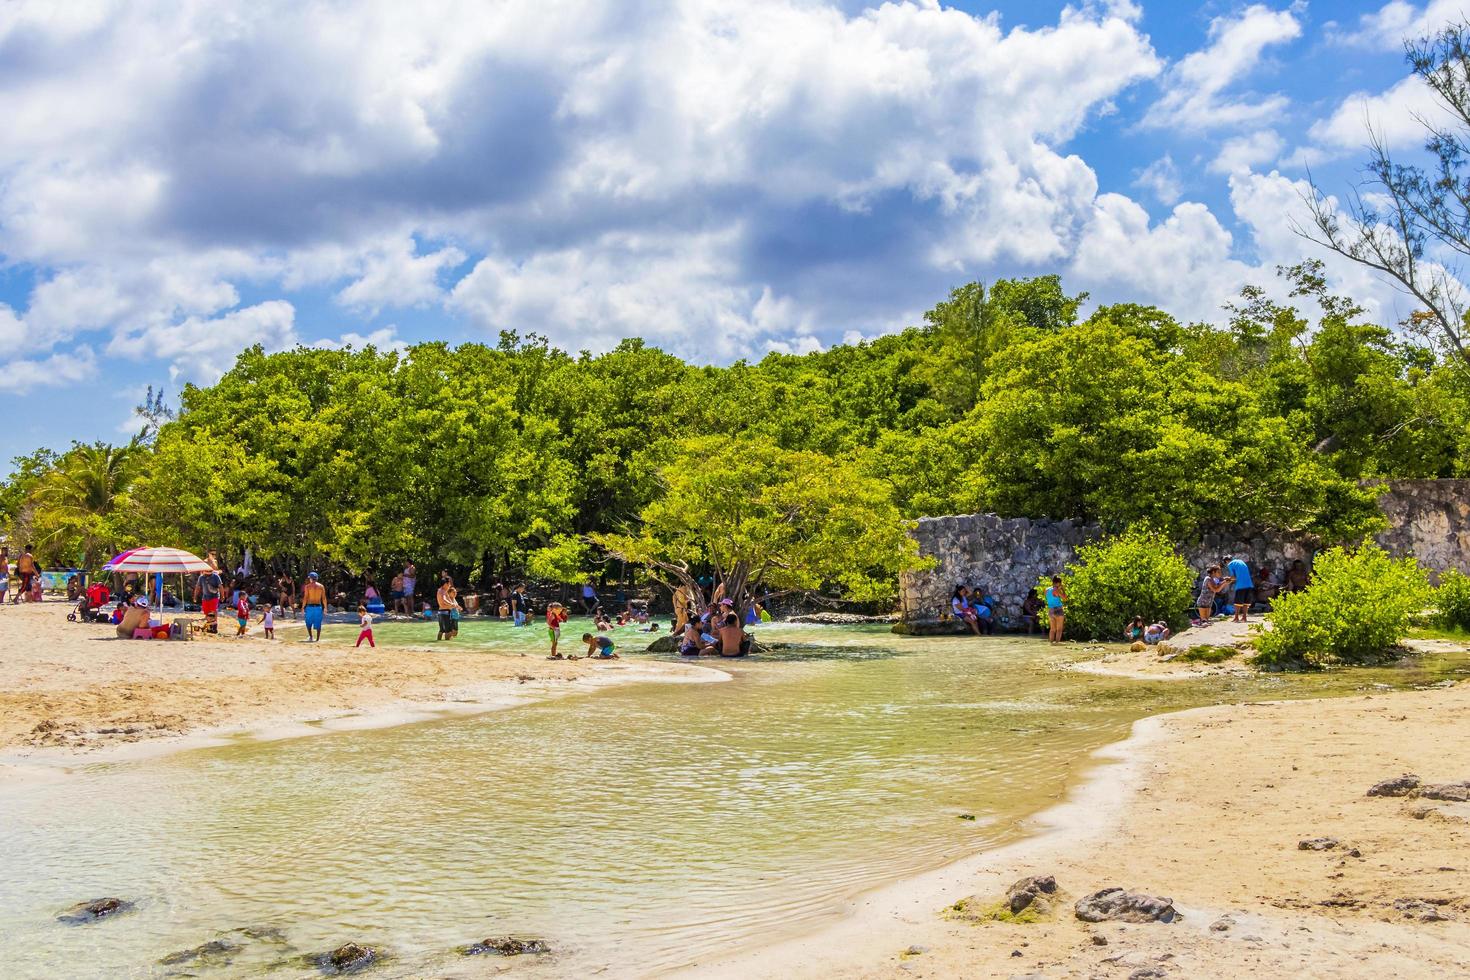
{"x": 486, "y": 458}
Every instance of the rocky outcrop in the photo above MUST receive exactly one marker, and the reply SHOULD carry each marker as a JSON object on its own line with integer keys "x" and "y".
{"x": 1117, "y": 905}
{"x": 1397, "y": 786}
{"x": 348, "y": 958}
{"x": 216, "y": 952}
{"x": 1033, "y": 893}
{"x": 95, "y": 910}
{"x": 1429, "y": 519}
{"x": 508, "y": 946}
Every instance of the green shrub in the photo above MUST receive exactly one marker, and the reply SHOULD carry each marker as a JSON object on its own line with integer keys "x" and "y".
{"x": 1206, "y": 654}
{"x": 1357, "y": 607}
{"x": 1136, "y": 573}
{"x": 1452, "y": 599}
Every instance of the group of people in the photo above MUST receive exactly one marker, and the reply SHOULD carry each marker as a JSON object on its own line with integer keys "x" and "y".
{"x": 1233, "y": 589}
{"x": 27, "y": 572}
{"x": 715, "y": 631}
{"x": 976, "y": 610}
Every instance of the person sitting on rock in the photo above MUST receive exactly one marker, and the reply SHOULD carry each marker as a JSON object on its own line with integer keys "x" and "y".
{"x": 960, "y": 608}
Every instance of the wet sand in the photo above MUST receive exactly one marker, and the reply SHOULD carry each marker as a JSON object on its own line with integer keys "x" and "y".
{"x": 68, "y": 688}
{"x": 1206, "y": 807}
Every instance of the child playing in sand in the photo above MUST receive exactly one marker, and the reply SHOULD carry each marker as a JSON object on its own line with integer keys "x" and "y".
{"x": 601, "y": 647}
{"x": 556, "y": 614}
{"x": 365, "y": 620}
{"x": 268, "y": 621}
{"x": 242, "y": 612}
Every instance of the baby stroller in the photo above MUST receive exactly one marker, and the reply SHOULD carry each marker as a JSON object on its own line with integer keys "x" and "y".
{"x": 88, "y": 607}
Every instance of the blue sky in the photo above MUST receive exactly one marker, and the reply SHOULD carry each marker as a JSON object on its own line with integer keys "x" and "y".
{"x": 182, "y": 180}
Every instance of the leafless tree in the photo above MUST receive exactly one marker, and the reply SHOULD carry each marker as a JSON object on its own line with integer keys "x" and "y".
{"x": 1413, "y": 224}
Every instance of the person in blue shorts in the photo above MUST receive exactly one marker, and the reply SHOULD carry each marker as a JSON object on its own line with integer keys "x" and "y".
{"x": 601, "y": 647}
{"x": 313, "y": 607}
{"x": 1245, "y": 587}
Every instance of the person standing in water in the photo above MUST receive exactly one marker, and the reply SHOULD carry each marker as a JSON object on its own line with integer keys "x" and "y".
{"x": 313, "y": 607}
{"x": 1056, "y": 609}
{"x": 448, "y": 602}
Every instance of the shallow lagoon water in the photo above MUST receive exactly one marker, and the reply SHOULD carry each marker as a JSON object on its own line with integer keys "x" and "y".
{"x": 638, "y": 829}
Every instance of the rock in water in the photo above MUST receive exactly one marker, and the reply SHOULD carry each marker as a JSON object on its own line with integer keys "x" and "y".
{"x": 349, "y": 958}
{"x": 1030, "y": 892}
{"x": 1115, "y": 904}
{"x": 1397, "y": 786}
{"x": 98, "y": 908}
{"x": 1317, "y": 844}
{"x": 1450, "y": 792}
{"x": 508, "y": 946}
{"x": 216, "y": 951}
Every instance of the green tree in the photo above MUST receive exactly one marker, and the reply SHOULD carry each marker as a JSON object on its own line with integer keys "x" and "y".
{"x": 764, "y": 517}
{"x": 1357, "y": 607}
{"x": 1137, "y": 573}
{"x": 80, "y": 504}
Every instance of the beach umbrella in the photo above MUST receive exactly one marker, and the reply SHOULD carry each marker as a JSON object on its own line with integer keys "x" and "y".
{"x": 158, "y": 561}
{"x": 117, "y": 558}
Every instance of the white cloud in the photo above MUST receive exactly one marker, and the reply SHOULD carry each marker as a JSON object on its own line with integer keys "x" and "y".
{"x": 1398, "y": 115}
{"x": 1183, "y": 263}
{"x": 398, "y": 277}
{"x": 383, "y": 339}
{"x": 1161, "y": 178}
{"x": 1388, "y": 27}
{"x": 72, "y": 367}
{"x": 1242, "y": 154}
{"x": 1195, "y": 96}
{"x": 201, "y": 349}
{"x": 161, "y": 164}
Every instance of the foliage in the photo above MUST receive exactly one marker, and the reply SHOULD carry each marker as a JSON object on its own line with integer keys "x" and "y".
{"x": 1137, "y": 573}
{"x": 770, "y": 518}
{"x": 1359, "y": 605}
{"x": 1206, "y": 654}
{"x": 1452, "y": 600}
{"x": 566, "y": 559}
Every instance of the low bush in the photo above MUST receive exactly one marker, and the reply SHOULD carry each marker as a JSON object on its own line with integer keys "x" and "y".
{"x": 1206, "y": 654}
{"x": 1137, "y": 573}
{"x": 1452, "y": 600}
{"x": 1358, "y": 606}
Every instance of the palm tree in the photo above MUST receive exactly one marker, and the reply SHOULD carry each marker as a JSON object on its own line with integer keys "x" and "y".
{"x": 77, "y": 502}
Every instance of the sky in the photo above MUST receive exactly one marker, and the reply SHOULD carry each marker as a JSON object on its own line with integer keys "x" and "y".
{"x": 179, "y": 181}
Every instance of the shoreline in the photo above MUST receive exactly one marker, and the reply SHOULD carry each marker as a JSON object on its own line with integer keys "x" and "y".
{"x": 1140, "y": 817}
{"x": 70, "y": 695}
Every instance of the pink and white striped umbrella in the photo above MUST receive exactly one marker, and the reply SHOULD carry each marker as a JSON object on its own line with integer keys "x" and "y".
{"x": 158, "y": 561}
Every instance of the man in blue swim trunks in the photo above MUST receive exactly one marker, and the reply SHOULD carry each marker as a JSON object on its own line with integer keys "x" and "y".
{"x": 601, "y": 647}
{"x": 313, "y": 607}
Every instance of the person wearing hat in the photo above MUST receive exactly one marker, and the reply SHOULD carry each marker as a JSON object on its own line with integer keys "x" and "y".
{"x": 313, "y": 607}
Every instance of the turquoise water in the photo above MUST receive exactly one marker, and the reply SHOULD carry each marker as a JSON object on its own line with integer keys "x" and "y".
{"x": 638, "y": 829}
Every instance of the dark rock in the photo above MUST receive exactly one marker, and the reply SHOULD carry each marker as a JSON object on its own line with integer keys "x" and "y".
{"x": 931, "y": 628}
{"x": 1148, "y": 973}
{"x": 1422, "y": 910}
{"x": 269, "y": 934}
{"x": 1115, "y": 904}
{"x": 508, "y": 946}
{"x": 916, "y": 950}
{"x": 1223, "y": 924}
{"x": 1449, "y": 792}
{"x": 98, "y": 908}
{"x": 967, "y": 816}
{"x": 1099, "y": 940}
{"x": 216, "y": 951}
{"x": 1317, "y": 844}
{"x": 1397, "y": 786}
{"x": 1031, "y": 891}
{"x": 349, "y": 958}
{"x": 669, "y": 643}
{"x": 1015, "y": 953}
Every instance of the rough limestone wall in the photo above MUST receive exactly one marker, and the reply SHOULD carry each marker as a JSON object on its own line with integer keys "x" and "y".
{"x": 1429, "y": 519}
{"x": 1002, "y": 556}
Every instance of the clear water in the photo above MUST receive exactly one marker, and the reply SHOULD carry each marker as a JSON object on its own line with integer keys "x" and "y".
{"x": 639, "y": 829}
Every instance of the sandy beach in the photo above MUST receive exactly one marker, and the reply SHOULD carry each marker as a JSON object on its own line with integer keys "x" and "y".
{"x": 68, "y": 688}
{"x": 1207, "y": 808}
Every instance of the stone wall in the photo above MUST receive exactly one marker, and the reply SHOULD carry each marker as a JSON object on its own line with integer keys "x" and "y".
{"x": 1429, "y": 519}
{"x": 1005, "y": 557}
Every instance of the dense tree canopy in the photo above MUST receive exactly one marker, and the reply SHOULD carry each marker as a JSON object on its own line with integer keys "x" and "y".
{"x": 797, "y": 470}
